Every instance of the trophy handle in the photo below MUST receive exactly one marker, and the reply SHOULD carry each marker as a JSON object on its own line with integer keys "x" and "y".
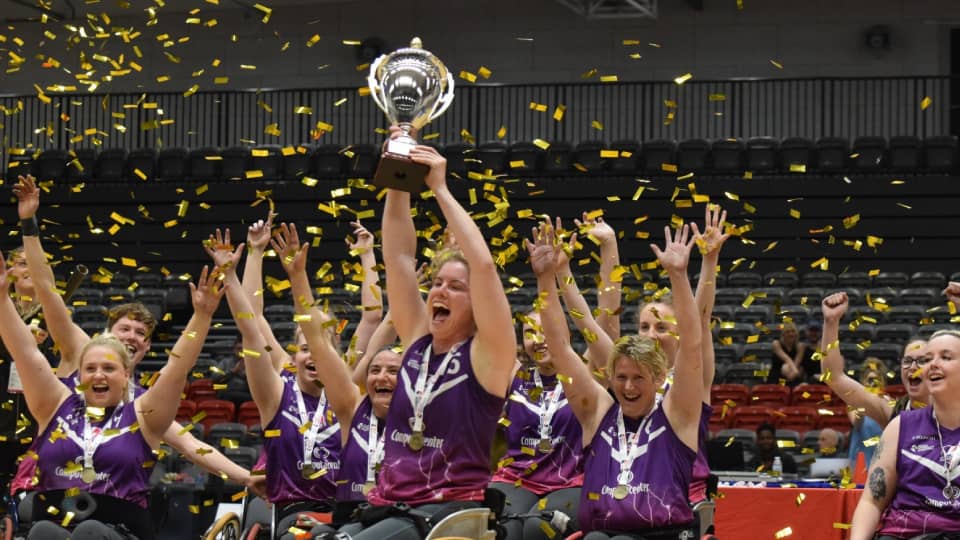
{"x": 444, "y": 102}
{"x": 374, "y": 84}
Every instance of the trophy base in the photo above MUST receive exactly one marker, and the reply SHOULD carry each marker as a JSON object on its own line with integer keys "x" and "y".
{"x": 400, "y": 172}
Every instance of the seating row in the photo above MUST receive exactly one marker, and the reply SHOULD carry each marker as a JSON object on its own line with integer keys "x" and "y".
{"x": 761, "y": 155}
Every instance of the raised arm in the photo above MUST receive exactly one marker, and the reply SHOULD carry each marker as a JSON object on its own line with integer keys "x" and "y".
{"x": 69, "y": 337}
{"x": 881, "y": 484}
{"x": 682, "y": 403}
{"x": 43, "y": 391}
{"x": 371, "y": 297}
{"x": 383, "y": 336}
{"x": 495, "y": 345}
{"x": 709, "y": 242}
{"x": 599, "y": 342}
{"x": 331, "y": 369}
{"x": 211, "y": 460}
{"x": 258, "y": 238}
{"x": 609, "y": 288}
{"x": 265, "y": 383}
{"x": 157, "y": 407}
{"x": 854, "y": 394}
{"x": 400, "y": 261}
{"x": 588, "y": 399}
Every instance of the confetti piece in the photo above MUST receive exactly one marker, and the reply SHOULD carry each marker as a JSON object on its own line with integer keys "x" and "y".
{"x": 925, "y": 103}
{"x": 683, "y": 78}
{"x": 776, "y": 64}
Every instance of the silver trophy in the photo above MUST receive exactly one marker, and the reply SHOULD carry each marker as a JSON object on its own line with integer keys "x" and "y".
{"x": 412, "y": 87}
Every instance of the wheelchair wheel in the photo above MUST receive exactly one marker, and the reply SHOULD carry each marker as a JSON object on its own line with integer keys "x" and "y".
{"x": 225, "y": 528}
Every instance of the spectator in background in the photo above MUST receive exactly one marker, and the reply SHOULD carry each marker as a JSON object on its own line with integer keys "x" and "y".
{"x": 767, "y": 450}
{"x": 810, "y": 365}
{"x": 788, "y": 353}
{"x": 866, "y": 432}
{"x": 828, "y": 442}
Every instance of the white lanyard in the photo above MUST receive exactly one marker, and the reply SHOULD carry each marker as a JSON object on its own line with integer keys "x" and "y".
{"x": 93, "y": 437}
{"x": 629, "y": 450}
{"x": 425, "y": 387}
{"x": 549, "y": 406}
{"x": 310, "y": 434}
{"x": 374, "y": 449}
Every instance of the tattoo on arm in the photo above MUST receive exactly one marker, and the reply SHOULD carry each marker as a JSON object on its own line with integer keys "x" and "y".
{"x": 878, "y": 483}
{"x": 876, "y": 454}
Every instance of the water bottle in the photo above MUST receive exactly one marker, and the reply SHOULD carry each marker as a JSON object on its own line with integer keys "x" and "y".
{"x": 777, "y": 469}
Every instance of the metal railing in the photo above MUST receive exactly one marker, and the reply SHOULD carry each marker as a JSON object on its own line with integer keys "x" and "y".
{"x": 590, "y": 111}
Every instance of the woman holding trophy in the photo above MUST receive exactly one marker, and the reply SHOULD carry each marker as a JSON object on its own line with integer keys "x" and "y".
{"x": 459, "y": 344}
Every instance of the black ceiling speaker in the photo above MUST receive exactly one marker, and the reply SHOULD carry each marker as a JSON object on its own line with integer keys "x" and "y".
{"x": 370, "y": 49}
{"x": 877, "y": 38}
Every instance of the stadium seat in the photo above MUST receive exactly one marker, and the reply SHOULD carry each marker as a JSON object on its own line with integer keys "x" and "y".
{"x": 749, "y": 280}
{"x": 186, "y": 410}
{"x": 751, "y": 417}
{"x": 786, "y": 280}
{"x": 905, "y": 154}
{"x": 738, "y": 393}
{"x": 111, "y": 165}
{"x": 226, "y": 434}
{"x": 693, "y": 155}
{"x": 753, "y": 314}
{"x": 51, "y": 164}
{"x": 796, "y": 155}
{"x": 861, "y": 280}
{"x": 818, "y": 278}
{"x": 761, "y": 155}
{"x": 235, "y": 163}
{"x": 491, "y": 157}
{"x": 217, "y": 411}
{"x": 328, "y": 161}
{"x": 248, "y": 414}
{"x": 558, "y": 158}
{"x": 770, "y": 395}
{"x": 815, "y": 395}
{"x": 525, "y": 157}
{"x": 295, "y": 162}
{"x": 936, "y": 280}
{"x": 459, "y": 157}
{"x": 798, "y": 314}
{"x": 141, "y": 165}
{"x": 869, "y": 154}
{"x": 747, "y": 437}
{"x": 940, "y": 154}
{"x": 727, "y": 156}
{"x": 362, "y": 160}
{"x": 587, "y": 155}
{"x": 81, "y": 165}
{"x": 832, "y": 154}
{"x": 797, "y": 418}
{"x": 628, "y": 157}
{"x": 805, "y": 296}
{"x": 656, "y": 154}
{"x": 172, "y": 165}
{"x": 204, "y": 164}
{"x": 897, "y": 280}
{"x": 267, "y": 161}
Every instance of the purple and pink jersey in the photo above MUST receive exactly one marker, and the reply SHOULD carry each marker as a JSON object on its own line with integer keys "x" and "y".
{"x": 285, "y": 481}
{"x": 656, "y": 495}
{"x": 459, "y": 423}
{"x": 524, "y": 462}
{"x": 919, "y": 505}
{"x": 701, "y": 468}
{"x": 122, "y": 462}
{"x": 355, "y": 455}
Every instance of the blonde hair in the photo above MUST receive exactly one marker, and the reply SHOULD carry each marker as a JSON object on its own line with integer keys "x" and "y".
{"x": 111, "y": 342}
{"x": 641, "y": 350}
{"x": 938, "y": 333}
{"x": 444, "y": 256}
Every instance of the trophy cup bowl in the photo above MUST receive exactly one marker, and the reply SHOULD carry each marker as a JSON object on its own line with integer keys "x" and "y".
{"x": 412, "y": 87}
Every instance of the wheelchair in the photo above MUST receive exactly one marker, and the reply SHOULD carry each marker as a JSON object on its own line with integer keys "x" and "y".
{"x": 260, "y": 520}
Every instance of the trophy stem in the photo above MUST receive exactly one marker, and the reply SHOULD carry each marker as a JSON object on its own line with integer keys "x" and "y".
{"x": 407, "y": 129}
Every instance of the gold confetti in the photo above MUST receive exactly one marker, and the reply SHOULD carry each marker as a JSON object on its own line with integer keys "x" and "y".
{"x": 683, "y": 78}
{"x": 925, "y": 103}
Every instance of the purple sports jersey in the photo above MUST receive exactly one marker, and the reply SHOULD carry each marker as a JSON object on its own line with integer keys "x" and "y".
{"x": 701, "y": 468}
{"x": 122, "y": 462}
{"x": 459, "y": 423}
{"x": 356, "y": 454}
{"x": 536, "y": 470}
{"x": 656, "y": 490}
{"x": 919, "y": 504}
{"x": 285, "y": 459}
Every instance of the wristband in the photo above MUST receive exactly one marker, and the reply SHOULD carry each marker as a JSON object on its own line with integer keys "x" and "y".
{"x": 29, "y": 227}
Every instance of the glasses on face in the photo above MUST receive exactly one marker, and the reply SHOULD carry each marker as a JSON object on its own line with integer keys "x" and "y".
{"x": 920, "y": 361}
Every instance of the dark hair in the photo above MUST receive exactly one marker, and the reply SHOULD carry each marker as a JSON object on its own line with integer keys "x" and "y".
{"x": 766, "y": 426}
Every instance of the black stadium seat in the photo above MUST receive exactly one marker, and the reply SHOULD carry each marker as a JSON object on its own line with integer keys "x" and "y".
{"x": 656, "y": 154}
{"x": 204, "y": 164}
{"x": 693, "y": 155}
{"x": 832, "y": 154}
{"x": 727, "y": 156}
{"x": 172, "y": 165}
{"x": 761, "y": 155}
{"x": 524, "y": 157}
{"x": 796, "y": 155}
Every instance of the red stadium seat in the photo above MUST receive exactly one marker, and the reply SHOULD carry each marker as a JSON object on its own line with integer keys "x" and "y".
{"x": 217, "y": 411}
{"x": 720, "y": 419}
{"x": 751, "y": 417}
{"x": 770, "y": 395}
{"x": 186, "y": 410}
{"x": 738, "y": 393}
{"x": 818, "y": 395}
{"x": 201, "y": 390}
{"x": 797, "y": 418}
{"x": 248, "y": 414}
{"x": 838, "y": 421}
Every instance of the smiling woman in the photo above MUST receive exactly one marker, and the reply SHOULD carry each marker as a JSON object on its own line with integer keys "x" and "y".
{"x": 89, "y": 442}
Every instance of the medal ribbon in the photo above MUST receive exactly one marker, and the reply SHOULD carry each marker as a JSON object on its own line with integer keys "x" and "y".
{"x": 549, "y": 406}
{"x": 425, "y": 385}
{"x": 94, "y": 437}
{"x": 374, "y": 448}
{"x": 318, "y": 421}
{"x": 628, "y": 448}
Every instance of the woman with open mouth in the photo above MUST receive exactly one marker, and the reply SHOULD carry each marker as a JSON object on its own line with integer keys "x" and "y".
{"x": 913, "y": 487}
{"x": 459, "y": 355}
{"x": 94, "y": 440}
{"x": 301, "y": 433}
{"x": 874, "y": 405}
{"x": 638, "y": 451}
{"x": 362, "y": 417}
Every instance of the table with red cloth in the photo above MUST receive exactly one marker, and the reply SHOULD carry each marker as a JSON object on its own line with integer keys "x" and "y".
{"x": 749, "y": 513}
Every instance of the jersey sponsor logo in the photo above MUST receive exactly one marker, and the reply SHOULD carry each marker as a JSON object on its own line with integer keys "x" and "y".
{"x": 403, "y": 438}
{"x": 633, "y": 489}
{"x": 532, "y": 442}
